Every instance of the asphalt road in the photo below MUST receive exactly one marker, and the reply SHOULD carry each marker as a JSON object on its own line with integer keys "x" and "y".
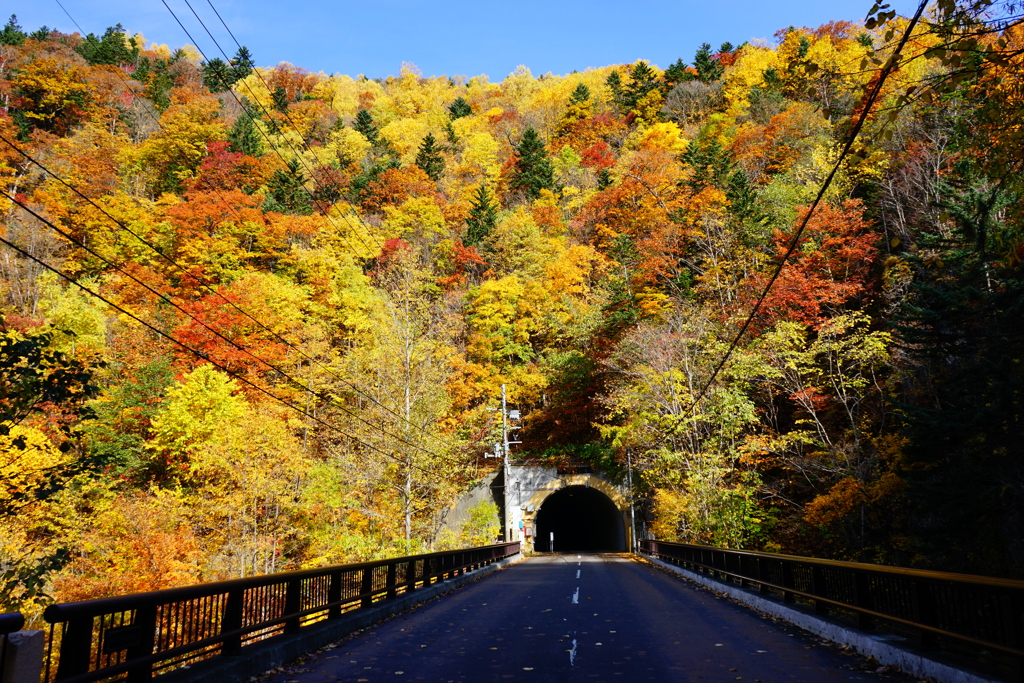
{"x": 577, "y": 618}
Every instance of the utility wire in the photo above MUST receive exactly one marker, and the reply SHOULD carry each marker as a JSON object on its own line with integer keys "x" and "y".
{"x": 259, "y": 76}
{"x": 176, "y": 341}
{"x": 205, "y": 284}
{"x": 887, "y": 68}
{"x": 167, "y": 299}
{"x": 256, "y": 101}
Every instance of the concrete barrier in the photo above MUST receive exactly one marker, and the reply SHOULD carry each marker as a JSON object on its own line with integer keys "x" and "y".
{"x": 24, "y": 658}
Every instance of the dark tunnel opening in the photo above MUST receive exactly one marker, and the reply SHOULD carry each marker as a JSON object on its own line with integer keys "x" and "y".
{"x": 582, "y": 519}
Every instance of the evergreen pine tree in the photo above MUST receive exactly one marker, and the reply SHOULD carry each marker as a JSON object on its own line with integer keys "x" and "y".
{"x": 241, "y": 64}
{"x": 604, "y": 179}
{"x": 280, "y": 99}
{"x": 459, "y": 108}
{"x": 243, "y": 136}
{"x": 12, "y": 33}
{"x": 286, "y": 192}
{"x": 534, "y": 171}
{"x": 708, "y": 69}
{"x": 113, "y": 48}
{"x": 449, "y": 132}
{"x": 580, "y": 107}
{"x": 216, "y": 75}
{"x": 483, "y": 216}
{"x": 365, "y": 125}
{"x": 580, "y": 94}
{"x": 429, "y": 158}
{"x": 642, "y": 80}
{"x": 676, "y": 74}
{"x": 614, "y": 83}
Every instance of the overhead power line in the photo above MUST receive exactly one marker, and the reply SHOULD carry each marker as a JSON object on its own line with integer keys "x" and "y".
{"x": 887, "y": 68}
{"x": 206, "y": 285}
{"x": 255, "y": 100}
{"x": 167, "y": 298}
{"x": 181, "y": 344}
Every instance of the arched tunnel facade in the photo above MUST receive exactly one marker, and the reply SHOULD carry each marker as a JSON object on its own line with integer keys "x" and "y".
{"x": 579, "y": 519}
{"x": 585, "y": 513}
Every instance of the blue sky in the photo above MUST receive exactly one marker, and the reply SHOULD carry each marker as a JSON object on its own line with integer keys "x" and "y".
{"x": 450, "y": 37}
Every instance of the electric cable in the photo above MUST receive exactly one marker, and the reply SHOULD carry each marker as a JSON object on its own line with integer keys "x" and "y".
{"x": 167, "y": 299}
{"x": 183, "y": 345}
{"x": 206, "y": 285}
{"x": 887, "y": 68}
{"x": 297, "y": 156}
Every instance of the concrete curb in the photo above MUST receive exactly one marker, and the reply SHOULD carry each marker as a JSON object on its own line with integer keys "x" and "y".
{"x": 256, "y": 660}
{"x": 878, "y": 646}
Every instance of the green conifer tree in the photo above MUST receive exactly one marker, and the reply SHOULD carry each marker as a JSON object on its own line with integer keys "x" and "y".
{"x": 216, "y": 75}
{"x": 241, "y": 64}
{"x": 676, "y": 74}
{"x": 580, "y": 94}
{"x": 459, "y": 108}
{"x": 286, "y": 191}
{"x": 642, "y": 80}
{"x": 614, "y": 83}
{"x": 280, "y": 99}
{"x": 483, "y": 216}
{"x": 365, "y": 125}
{"x": 244, "y": 137}
{"x": 708, "y": 69}
{"x": 113, "y": 48}
{"x": 534, "y": 171}
{"x": 12, "y": 33}
{"x": 429, "y": 158}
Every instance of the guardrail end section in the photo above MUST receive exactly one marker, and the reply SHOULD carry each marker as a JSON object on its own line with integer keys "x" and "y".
{"x": 24, "y": 660}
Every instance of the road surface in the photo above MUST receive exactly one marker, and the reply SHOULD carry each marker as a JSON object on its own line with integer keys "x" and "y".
{"x": 569, "y": 618}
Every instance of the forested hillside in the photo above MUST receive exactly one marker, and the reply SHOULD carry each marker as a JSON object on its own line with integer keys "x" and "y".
{"x": 253, "y": 318}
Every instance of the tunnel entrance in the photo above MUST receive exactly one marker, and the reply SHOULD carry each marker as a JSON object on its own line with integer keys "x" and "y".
{"x": 582, "y": 519}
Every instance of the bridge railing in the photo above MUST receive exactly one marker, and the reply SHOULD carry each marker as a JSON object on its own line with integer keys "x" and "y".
{"x": 975, "y": 610}
{"x": 134, "y": 637}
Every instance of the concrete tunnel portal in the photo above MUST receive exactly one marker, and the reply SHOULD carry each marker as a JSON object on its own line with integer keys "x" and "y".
{"x": 582, "y": 519}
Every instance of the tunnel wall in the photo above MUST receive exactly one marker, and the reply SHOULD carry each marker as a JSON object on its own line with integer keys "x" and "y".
{"x": 533, "y": 505}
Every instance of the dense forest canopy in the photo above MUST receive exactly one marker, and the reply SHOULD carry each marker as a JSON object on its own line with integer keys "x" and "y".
{"x": 253, "y": 318}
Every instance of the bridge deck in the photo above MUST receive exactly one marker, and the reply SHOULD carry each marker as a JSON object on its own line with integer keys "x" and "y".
{"x": 576, "y": 618}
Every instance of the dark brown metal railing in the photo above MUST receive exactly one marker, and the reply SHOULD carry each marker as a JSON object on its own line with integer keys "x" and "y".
{"x": 134, "y": 637}
{"x": 975, "y": 610}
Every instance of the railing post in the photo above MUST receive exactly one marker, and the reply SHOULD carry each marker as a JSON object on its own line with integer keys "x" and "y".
{"x": 862, "y": 598}
{"x": 232, "y": 621}
{"x": 145, "y": 621}
{"x": 762, "y": 586}
{"x": 819, "y": 588}
{"x": 75, "y": 648}
{"x": 923, "y": 607}
{"x": 410, "y": 576}
{"x": 292, "y": 605}
{"x": 392, "y": 577}
{"x": 787, "y": 581}
{"x": 334, "y": 595}
{"x": 366, "y": 587}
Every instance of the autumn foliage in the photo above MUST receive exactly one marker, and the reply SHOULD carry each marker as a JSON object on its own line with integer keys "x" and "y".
{"x": 343, "y": 272}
